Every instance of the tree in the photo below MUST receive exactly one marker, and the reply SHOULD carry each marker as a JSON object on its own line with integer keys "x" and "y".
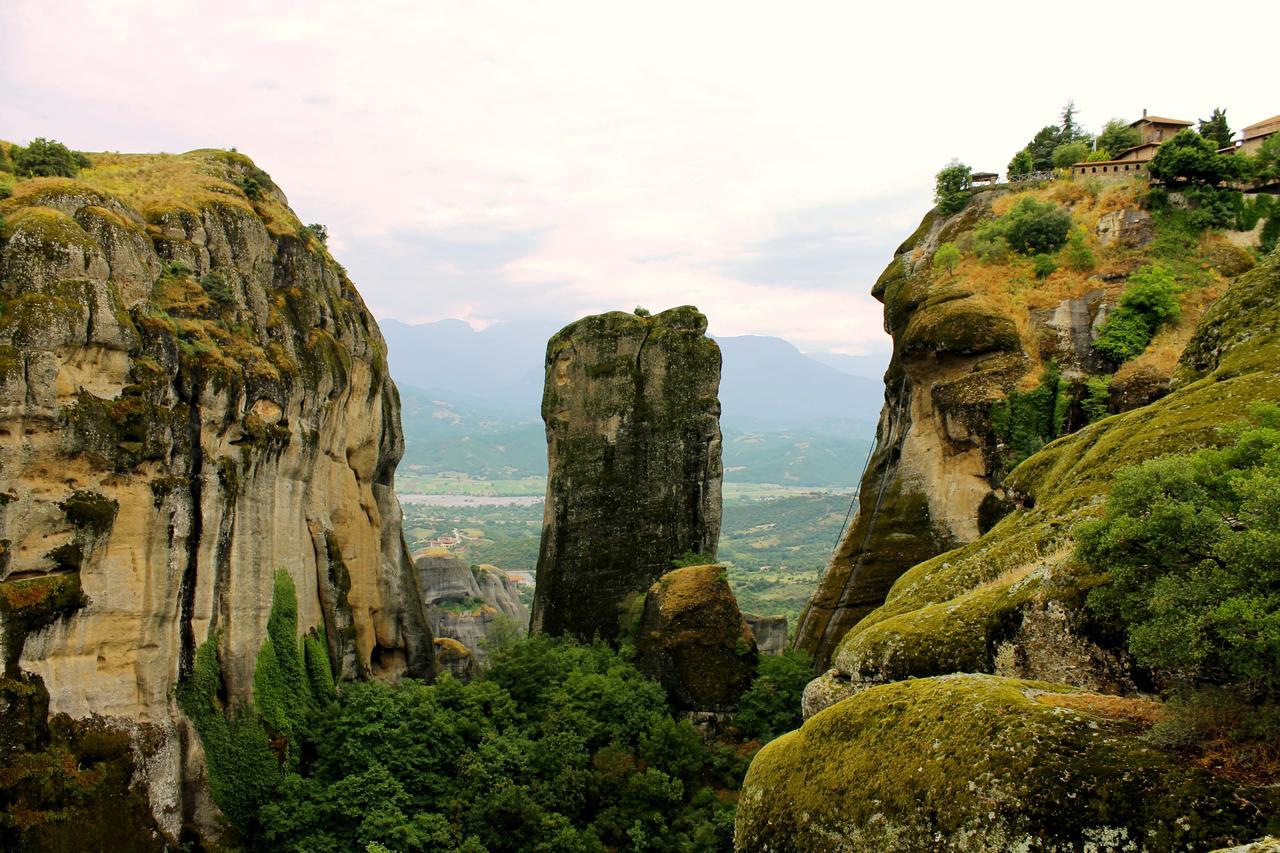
{"x": 951, "y": 189}
{"x": 1149, "y": 301}
{"x": 320, "y": 232}
{"x": 1042, "y": 146}
{"x": 1117, "y": 137}
{"x": 47, "y": 158}
{"x": 1267, "y": 160}
{"x": 771, "y": 706}
{"x": 1216, "y": 129}
{"x": 1190, "y": 158}
{"x": 1021, "y": 164}
{"x": 1069, "y": 153}
{"x": 1071, "y": 130}
{"x": 946, "y": 257}
{"x": 1191, "y": 544}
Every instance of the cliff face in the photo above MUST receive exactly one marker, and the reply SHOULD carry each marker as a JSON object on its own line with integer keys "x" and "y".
{"x": 982, "y": 681}
{"x": 192, "y": 397}
{"x": 633, "y": 446}
{"x": 967, "y": 342}
{"x": 466, "y": 604}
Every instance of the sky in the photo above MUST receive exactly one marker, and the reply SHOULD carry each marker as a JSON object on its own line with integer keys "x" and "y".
{"x": 538, "y": 161}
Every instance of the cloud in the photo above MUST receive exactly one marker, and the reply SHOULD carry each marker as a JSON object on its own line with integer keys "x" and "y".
{"x": 495, "y": 159}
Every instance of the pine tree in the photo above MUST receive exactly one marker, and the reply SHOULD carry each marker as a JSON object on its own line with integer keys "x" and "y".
{"x": 1216, "y": 129}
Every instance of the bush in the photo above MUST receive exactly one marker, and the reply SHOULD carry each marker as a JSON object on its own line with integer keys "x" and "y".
{"x": 1034, "y": 227}
{"x": 218, "y": 289}
{"x": 1149, "y": 301}
{"x": 1021, "y": 164}
{"x": 771, "y": 706}
{"x": 1044, "y": 265}
{"x": 989, "y": 243}
{"x": 47, "y": 158}
{"x": 1191, "y": 544}
{"x": 1078, "y": 254}
{"x": 951, "y": 189}
{"x": 318, "y": 231}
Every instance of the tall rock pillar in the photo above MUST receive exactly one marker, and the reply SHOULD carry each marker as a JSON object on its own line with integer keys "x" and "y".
{"x": 634, "y": 469}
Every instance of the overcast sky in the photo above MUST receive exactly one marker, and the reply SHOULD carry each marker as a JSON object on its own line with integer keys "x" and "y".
{"x": 499, "y": 161}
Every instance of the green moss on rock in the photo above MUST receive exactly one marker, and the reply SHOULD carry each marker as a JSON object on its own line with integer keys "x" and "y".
{"x": 970, "y": 762}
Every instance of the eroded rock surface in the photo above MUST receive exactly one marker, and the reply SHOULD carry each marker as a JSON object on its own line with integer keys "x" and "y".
{"x": 467, "y": 604}
{"x": 192, "y": 397}
{"x": 770, "y": 632}
{"x": 634, "y": 461}
{"x": 693, "y": 640}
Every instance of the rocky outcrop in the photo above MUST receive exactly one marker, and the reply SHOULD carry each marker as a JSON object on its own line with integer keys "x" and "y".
{"x": 991, "y": 642}
{"x": 983, "y": 763}
{"x": 466, "y": 605}
{"x": 634, "y": 460}
{"x": 770, "y": 632}
{"x": 989, "y": 364}
{"x": 192, "y": 397}
{"x": 693, "y": 640}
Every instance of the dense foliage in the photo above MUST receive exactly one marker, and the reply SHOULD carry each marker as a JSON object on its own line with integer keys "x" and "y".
{"x": 47, "y": 158}
{"x": 1117, "y": 137}
{"x": 1192, "y": 546}
{"x": 1030, "y": 228}
{"x": 1149, "y": 301}
{"x": 1190, "y": 158}
{"x": 558, "y": 747}
{"x": 1038, "y": 155}
{"x": 951, "y": 188}
{"x": 1216, "y": 130}
{"x": 771, "y": 706}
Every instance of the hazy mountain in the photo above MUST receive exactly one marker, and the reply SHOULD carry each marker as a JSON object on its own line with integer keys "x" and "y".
{"x": 870, "y": 366}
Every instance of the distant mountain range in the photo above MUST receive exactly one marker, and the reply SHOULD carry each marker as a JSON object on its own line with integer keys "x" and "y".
{"x": 471, "y": 404}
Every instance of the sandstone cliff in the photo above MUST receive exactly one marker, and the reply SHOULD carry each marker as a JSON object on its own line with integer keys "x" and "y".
{"x": 467, "y": 605}
{"x": 981, "y": 682}
{"x": 989, "y": 339}
{"x": 633, "y": 446}
{"x": 192, "y": 397}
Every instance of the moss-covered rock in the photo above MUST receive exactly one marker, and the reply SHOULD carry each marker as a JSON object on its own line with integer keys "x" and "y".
{"x": 693, "y": 640}
{"x": 979, "y": 763}
{"x": 634, "y": 452}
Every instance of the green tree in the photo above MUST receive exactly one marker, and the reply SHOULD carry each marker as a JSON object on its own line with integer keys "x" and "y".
{"x": 1079, "y": 256}
{"x": 1021, "y": 164}
{"x": 1191, "y": 544}
{"x": 946, "y": 257}
{"x": 1071, "y": 129}
{"x": 1069, "y": 154}
{"x": 951, "y": 188}
{"x": 1216, "y": 129}
{"x": 47, "y": 158}
{"x": 1042, "y": 146}
{"x": 1190, "y": 158}
{"x": 1117, "y": 137}
{"x": 771, "y": 706}
{"x": 1267, "y": 160}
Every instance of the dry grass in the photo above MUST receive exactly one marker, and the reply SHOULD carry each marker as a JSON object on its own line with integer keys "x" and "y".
{"x": 1144, "y": 712}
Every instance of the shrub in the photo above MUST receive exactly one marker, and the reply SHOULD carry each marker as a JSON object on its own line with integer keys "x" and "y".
{"x": 1149, "y": 301}
{"x": 5, "y": 192}
{"x": 318, "y": 231}
{"x": 989, "y": 243}
{"x": 1034, "y": 227}
{"x": 642, "y": 312}
{"x": 47, "y": 158}
{"x": 1044, "y": 265}
{"x": 1266, "y": 163}
{"x": 1191, "y": 544}
{"x": 946, "y": 257}
{"x": 1078, "y": 254}
{"x": 1096, "y": 401}
{"x": 217, "y": 287}
{"x": 951, "y": 189}
{"x": 1021, "y": 164}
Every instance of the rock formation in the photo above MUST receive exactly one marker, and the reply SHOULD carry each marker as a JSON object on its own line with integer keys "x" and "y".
{"x": 693, "y": 640}
{"x": 981, "y": 683}
{"x": 465, "y": 605}
{"x": 965, "y": 345}
{"x": 633, "y": 446}
{"x": 192, "y": 397}
{"x": 770, "y": 632}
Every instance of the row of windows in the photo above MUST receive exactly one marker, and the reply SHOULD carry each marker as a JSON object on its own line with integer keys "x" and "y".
{"x": 1136, "y": 167}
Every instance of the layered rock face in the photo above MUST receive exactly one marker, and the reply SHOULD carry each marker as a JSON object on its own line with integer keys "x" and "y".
{"x": 693, "y": 640}
{"x": 466, "y": 604}
{"x": 966, "y": 343}
{"x": 982, "y": 682}
{"x": 770, "y": 632}
{"x": 634, "y": 463}
{"x": 192, "y": 397}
